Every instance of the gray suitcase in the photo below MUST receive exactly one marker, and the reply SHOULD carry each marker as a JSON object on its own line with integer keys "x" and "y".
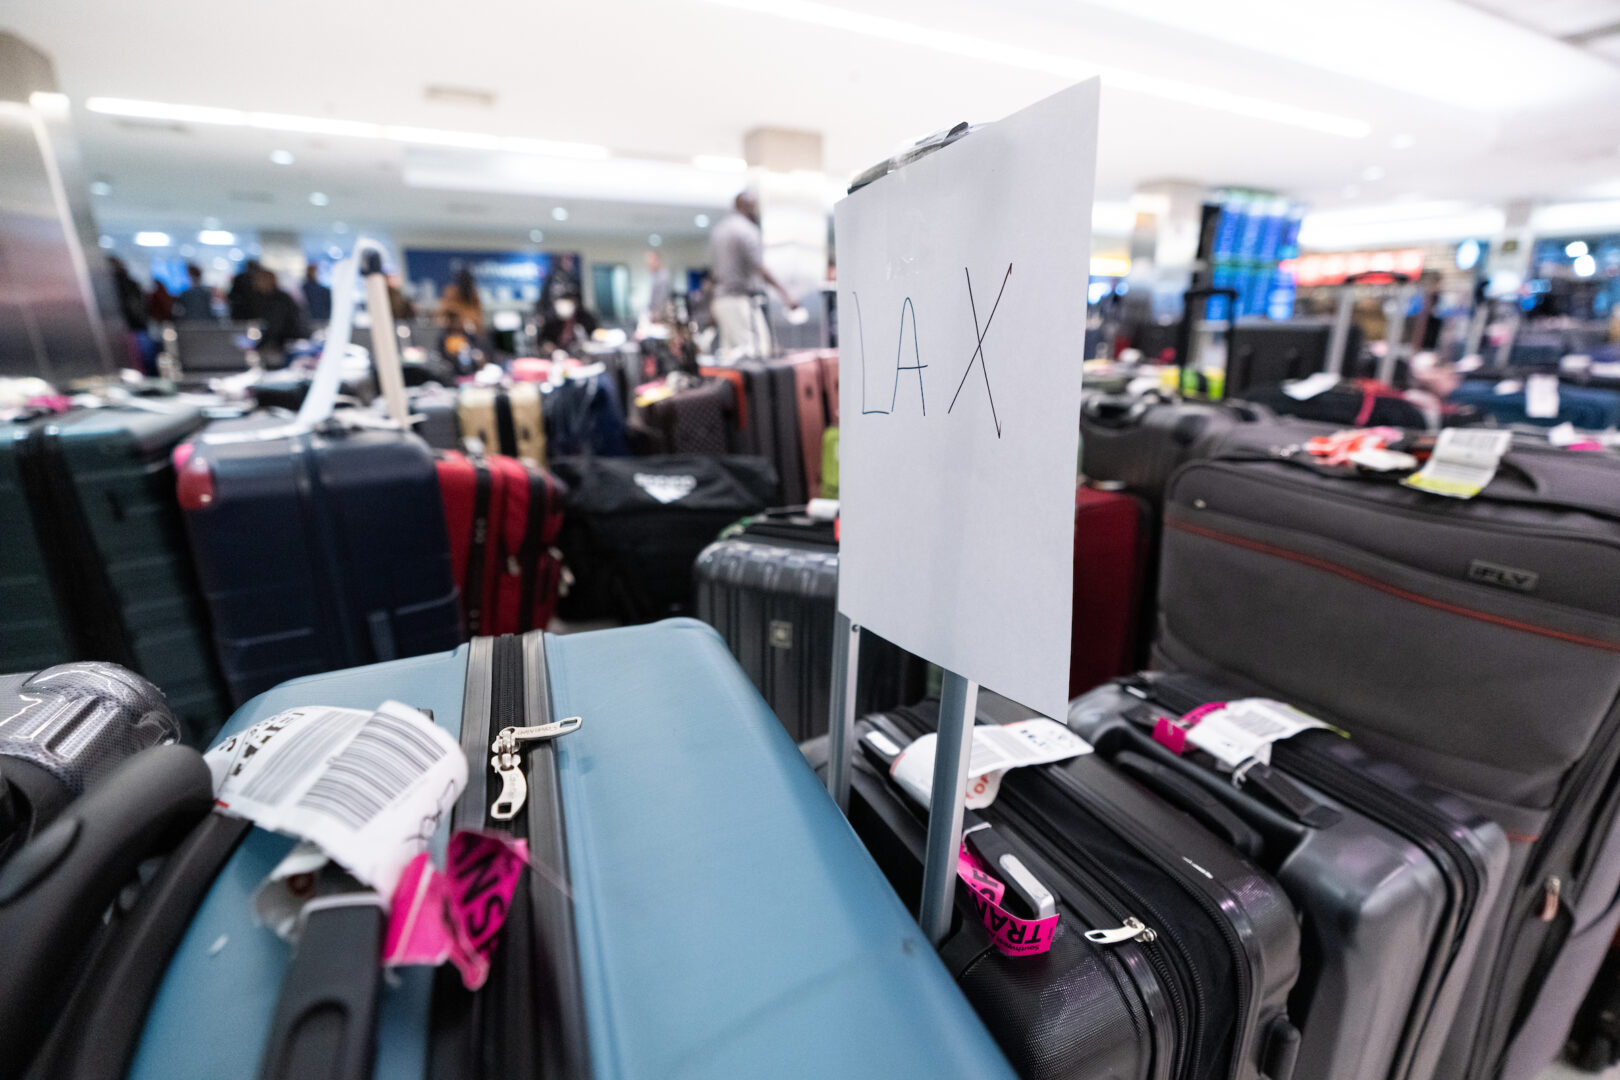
{"x": 1475, "y": 642}
{"x": 1136, "y": 441}
{"x": 1391, "y": 878}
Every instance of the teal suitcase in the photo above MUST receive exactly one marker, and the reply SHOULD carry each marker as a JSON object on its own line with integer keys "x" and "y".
{"x": 705, "y": 911}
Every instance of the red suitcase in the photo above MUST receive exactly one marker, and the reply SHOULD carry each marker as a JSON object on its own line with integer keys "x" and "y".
{"x": 503, "y": 517}
{"x": 1112, "y": 547}
{"x": 812, "y": 412}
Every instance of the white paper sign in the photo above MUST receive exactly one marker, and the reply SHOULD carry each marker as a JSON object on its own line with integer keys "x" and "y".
{"x": 962, "y": 284}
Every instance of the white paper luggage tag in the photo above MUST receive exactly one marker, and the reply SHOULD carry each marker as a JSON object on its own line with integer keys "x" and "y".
{"x": 996, "y": 748}
{"x": 369, "y": 788}
{"x": 1541, "y": 397}
{"x": 1243, "y": 729}
{"x": 1463, "y": 461}
{"x": 1311, "y": 386}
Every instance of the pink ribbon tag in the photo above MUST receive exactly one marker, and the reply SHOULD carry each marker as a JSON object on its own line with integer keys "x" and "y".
{"x": 1012, "y": 935}
{"x": 457, "y": 914}
{"x": 1173, "y": 733}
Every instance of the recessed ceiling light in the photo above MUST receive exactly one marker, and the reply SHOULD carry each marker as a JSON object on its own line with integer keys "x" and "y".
{"x": 1576, "y": 248}
{"x": 107, "y": 243}
{"x": 559, "y": 213}
{"x": 720, "y": 163}
{"x": 340, "y": 227}
{"x": 334, "y": 252}
{"x": 654, "y": 240}
{"x": 701, "y": 221}
{"x": 1372, "y": 173}
{"x": 100, "y": 187}
{"x": 1403, "y": 141}
{"x": 281, "y": 157}
{"x": 536, "y": 235}
{"x": 151, "y": 239}
{"x": 1071, "y": 69}
{"x": 216, "y": 237}
{"x": 235, "y": 254}
{"x": 318, "y": 198}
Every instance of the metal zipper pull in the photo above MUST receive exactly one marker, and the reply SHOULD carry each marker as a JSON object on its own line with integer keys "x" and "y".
{"x": 509, "y": 766}
{"x": 1549, "y": 903}
{"x": 1133, "y": 930}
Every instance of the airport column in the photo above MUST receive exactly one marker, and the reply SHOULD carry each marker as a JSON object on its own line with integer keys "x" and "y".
{"x": 785, "y": 169}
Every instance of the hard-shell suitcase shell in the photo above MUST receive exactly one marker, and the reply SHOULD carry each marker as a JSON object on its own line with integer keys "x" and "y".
{"x": 1392, "y": 879}
{"x": 317, "y": 549}
{"x": 631, "y": 969}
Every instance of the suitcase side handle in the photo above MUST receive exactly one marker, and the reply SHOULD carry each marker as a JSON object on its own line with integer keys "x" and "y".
{"x": 1186, "y": 795}
{"x": 53, "y": 892}
{"x": 326, "y": 1017}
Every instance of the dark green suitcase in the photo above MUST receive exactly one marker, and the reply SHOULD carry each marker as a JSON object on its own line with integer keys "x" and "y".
{"x": 96, "y": 565}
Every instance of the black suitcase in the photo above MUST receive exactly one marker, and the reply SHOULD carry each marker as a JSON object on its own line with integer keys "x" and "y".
{"x": 772, "y": 592}
{"x": 634, "y": 527}
{"x": 1199, "y": 948}
{"x": 1393, "y": 879}
{"x": 1136, "y": 441}
{"x": 1346, "y": 405}
{"x": 318, "y": 549}
{"x": 699, "y": 419}
{"x": 773, "y": 425}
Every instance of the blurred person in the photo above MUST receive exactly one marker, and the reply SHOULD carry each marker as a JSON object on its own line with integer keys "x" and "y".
{"x": 160, "y": 303}
{"x": 568, "y": 328}
{"x": 461, "y": 308}
{"x": 283, "y": 319}
{"x": 317, "y": 297}
{"x": 243, "y": 297}
{"x": 131, "y": 300}
{"x": 197, "y": 302}
{"x": 659, "y": 291}
{"x": 399, "y": 305}
{"x": 737, "y": 261}
{"x": 561, "y": 283}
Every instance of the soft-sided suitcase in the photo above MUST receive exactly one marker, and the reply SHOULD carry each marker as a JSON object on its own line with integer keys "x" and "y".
{"x": 317, "y": 549}
{"x": 1589, "y": 408}
{"x": 1113, "y": 544}
{"x": 95, "y": 561}
{"x": 439, "y": 426}
{"x": 505, "y": 421}
{"x": 1392, "y": 879}
{"x": 772, "y": 592}
{"x": 1199, "y": 948}
{"x": 661, "y": 830}
{"x": 1353, "y": 403}
{"x": 1474, "y": 641}
{"x": 1138, "y": 440}
{"x": 635, "y": 526}
{"x": 504, "y": 516}
{"x": 584, "y": 416}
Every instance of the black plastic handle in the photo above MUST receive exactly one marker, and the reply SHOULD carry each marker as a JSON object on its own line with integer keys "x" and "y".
{"x": 53, "y": 892}
{"x": 1189, "y": 796}
{"x": 326, "y": 1017}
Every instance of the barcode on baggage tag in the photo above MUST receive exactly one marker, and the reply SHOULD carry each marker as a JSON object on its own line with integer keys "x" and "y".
{"x": 377, "y": 767}
{"x": 279, "y": 774}
{"x": 1255, "y": 723}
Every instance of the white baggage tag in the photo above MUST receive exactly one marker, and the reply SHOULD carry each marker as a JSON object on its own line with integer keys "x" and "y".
{"x": 1246, "y": 728}
{"x": 1541, "y": 397}
{"x": 1462, "y": 463}
{"x": 996, "y": 748}
{"x": 369, "y": 788}
{"x": 1311, "y": 386}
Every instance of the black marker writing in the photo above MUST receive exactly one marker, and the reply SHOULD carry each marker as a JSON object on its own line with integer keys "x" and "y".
{"x": 978, "y": 348}
{"x": 899, "y": 351}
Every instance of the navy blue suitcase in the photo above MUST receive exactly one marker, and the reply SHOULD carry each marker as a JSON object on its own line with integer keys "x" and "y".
{"x": 317, "y": 550}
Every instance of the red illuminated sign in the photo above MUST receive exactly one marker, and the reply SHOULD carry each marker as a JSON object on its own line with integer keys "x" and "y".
{"x": 1333, "y": 268}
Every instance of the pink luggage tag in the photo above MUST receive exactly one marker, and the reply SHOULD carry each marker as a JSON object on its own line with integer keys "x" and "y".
{"x": 1173, "y": 733}
{"x": 455, "y": 915}
{"x": 1012, "y": 935}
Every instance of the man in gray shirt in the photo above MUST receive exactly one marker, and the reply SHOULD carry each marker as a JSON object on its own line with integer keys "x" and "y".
{"x": 737, "y": 265}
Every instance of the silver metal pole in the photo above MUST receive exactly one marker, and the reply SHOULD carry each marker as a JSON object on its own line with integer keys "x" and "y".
{"x": 1395, "y": 339}
{"x": 841, "y": 721}
{"x": 1341, "y": 330}
{"x": 958, "y": 701}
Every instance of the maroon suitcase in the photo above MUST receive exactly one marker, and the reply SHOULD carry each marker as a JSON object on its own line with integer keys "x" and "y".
{"x": 812, "y": 412}
{"x": 1112, "y": 545}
